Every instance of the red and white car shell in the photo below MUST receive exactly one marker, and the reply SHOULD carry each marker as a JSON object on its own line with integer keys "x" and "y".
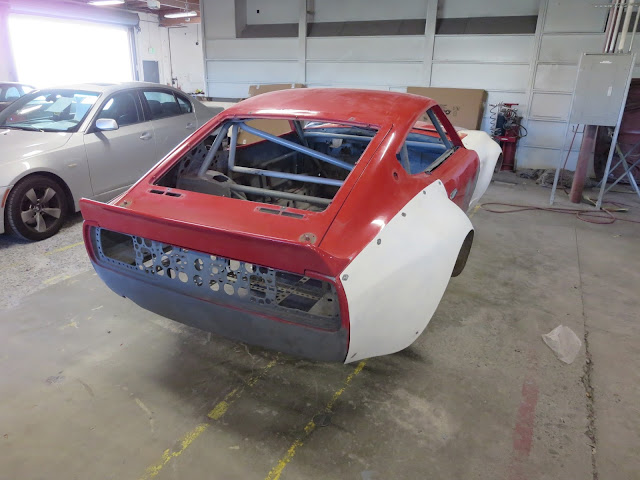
{"x": 358, "y": 279}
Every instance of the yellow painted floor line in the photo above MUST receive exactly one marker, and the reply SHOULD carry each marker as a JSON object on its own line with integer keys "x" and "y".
{"x": 58, "y": 278}
{"x": 218, "y": 412}
{"x": 276, "y": 471}
{"x": 62, "y": 249}
{"x": 473, "y": 212}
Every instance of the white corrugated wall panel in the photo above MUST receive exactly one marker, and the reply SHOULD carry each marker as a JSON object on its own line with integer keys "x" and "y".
{"x": 370, "y": 73}
{"x": 396, "y": 49}
{"x": 227, "y": 71}
{"x": 556, "y": 78}
{"x": 486, "y": 76}
{"x": 569, "y": 48}
{"x": 575, "y": 16}
{"x": 218, "y": 18}
{"x": 520, "y": 98}
{"x": 384, "y": 88}
{"x": 252, "y": 49}
{"x": 531, "y": 157}
{"x": 551, "y": 134}
{"x": 228, "y": 90}
{"x": 279, "y": 11}
{"x": 550, "y": 105}
{"x": 486, "y": 8}
{"x": 365, "y": 10}
{"x": 486, "y": 48}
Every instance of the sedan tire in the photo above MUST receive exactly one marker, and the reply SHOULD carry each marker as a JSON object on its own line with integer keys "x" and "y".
{"x": 37, "y": 208}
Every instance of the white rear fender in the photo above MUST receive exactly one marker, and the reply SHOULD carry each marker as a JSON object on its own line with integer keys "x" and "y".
{"x": 488, "y": 153}
{"x": 394, "y": 285}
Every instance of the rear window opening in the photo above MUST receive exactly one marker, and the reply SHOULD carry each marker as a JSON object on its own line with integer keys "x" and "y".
{"x": 286, "y": 163}
{"x": 426, "y": 147}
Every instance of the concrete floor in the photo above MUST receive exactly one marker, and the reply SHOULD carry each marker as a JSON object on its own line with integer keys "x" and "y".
{"x": 91, "y": 386}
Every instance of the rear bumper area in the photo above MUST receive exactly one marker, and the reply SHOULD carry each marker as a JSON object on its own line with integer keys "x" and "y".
{"x": 256, "y": 305}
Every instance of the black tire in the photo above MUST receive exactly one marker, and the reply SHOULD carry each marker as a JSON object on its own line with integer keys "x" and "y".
{"x": 36, "y": 208}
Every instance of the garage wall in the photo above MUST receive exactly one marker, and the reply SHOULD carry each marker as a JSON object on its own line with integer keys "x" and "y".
{"x": 260, "y": 12}
{"x": 568, "y": 28}
{"x": 536, "y": 70}
{"x": 152, "y": 43}
{"x": 486, "y": 8}
{"x": 7, "y": 66}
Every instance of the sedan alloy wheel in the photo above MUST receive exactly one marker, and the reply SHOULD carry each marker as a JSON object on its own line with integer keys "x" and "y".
{"x": 36, "y": 208}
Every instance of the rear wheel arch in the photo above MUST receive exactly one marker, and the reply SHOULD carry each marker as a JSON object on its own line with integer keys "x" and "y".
{"x": 463, "y": 255}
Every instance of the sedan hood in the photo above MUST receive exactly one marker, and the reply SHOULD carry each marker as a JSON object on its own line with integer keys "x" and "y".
{"x": 16, "y": 145}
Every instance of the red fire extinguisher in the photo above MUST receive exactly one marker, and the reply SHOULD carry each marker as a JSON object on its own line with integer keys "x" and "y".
{"x": 507, "y": 130}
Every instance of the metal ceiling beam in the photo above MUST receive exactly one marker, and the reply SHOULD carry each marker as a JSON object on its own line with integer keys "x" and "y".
{"x": 185, "y": 5}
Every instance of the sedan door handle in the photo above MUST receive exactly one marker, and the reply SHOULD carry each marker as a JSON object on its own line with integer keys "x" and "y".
{"x": 146, "y": 136}
{"x": 190, "y": 125}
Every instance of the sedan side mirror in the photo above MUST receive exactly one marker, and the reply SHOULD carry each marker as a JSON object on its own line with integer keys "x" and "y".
{"x": 106, "y": 124}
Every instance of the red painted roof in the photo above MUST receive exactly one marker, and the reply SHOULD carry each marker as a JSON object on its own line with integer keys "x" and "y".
{"x": 373, "y": 107}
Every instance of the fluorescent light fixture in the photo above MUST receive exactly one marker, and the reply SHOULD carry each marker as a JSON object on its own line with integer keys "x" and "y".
{"x": 102, "y": 3}
{"x": 181, "y": 14}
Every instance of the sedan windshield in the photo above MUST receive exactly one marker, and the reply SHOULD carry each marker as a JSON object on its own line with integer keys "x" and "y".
{"x": 49, "y": 111}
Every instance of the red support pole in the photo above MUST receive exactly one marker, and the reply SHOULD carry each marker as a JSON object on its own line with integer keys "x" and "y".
{"x": 586, "y": 152}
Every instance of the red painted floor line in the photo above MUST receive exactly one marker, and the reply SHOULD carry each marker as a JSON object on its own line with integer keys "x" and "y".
{"x": 525, "y": 422}
{"x": 523, "y": 431}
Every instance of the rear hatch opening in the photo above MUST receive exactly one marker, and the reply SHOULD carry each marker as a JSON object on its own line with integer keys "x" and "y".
{"x": 280, "y": 162}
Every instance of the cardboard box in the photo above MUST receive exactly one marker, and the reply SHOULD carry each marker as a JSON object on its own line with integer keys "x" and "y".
{"x": 275, "y": 127}
{"x": 258, "y": 89}
{"x": 464, "y": 106}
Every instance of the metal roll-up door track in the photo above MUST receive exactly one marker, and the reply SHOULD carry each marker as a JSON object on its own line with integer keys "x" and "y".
{"x": 71, "y": 11}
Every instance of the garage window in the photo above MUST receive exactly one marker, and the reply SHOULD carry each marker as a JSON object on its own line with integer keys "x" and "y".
{"x": 50, "y": 51}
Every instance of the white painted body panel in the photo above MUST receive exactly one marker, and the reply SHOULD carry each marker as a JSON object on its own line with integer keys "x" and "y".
{"x": 488, "y": 152}
{"x": 393, "y": 288}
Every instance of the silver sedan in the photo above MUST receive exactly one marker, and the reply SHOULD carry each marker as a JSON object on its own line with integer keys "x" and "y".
{"x": 94, "y": 140}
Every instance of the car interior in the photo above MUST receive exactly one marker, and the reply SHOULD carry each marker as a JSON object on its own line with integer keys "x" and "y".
{"x": 122, "y": 108}
{"x": 304, "y": 167}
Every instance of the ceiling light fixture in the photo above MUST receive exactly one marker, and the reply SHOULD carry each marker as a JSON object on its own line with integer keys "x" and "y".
{"x": 104, "y": 3}
{"x": 181, "y": 14}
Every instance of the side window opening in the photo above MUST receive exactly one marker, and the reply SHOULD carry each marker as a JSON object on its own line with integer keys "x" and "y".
{"x": 185, "y": 105}
{"x": 123, "y": 108}
{"x": 162, "y": 104}
{"x": 302, "y": 167}
{"x": 11, "y": 94}
{"x": 426, "y": 147}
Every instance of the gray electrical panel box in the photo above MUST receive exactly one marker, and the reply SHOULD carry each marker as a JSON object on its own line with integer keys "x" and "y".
{"x": 601, "y": 87}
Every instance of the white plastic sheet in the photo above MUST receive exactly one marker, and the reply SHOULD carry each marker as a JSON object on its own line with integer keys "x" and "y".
{"x": 564, "y": 343}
